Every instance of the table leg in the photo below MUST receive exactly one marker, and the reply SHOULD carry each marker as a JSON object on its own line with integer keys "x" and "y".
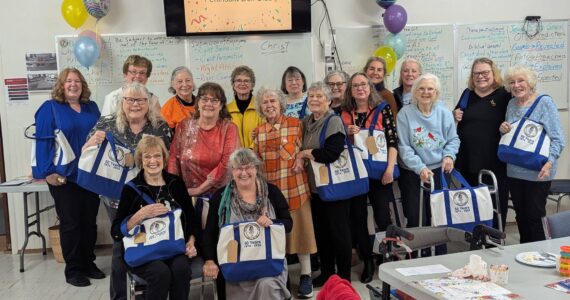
{"x": 385, "y": 291}
{"x": 26, "y": 230}
{"x": 38, "y": 224}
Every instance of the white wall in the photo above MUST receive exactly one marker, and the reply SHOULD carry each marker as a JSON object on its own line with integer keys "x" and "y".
{"x": 30, "y": 26}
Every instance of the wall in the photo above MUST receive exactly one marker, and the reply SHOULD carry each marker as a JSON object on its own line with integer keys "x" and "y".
{"x": 32, "y": 24}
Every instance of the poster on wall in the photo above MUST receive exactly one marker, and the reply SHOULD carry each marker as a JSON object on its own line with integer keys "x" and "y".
{"x": 16, "y": 90}
{"x": 42, "y": 71}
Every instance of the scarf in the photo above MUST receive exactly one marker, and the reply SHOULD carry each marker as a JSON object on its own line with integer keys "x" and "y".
{"x": 233, "y": 209}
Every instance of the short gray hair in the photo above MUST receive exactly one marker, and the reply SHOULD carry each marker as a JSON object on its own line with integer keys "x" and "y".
{"x": 245, "y": 156}
{"x": 517, "y": 70}
{"x": 152, "y": 115}
{"x": 323, "y": 87}
{"x": 265, "y": 91}
{"x": 426, "y": 76}
{"x": 175, "y": 72}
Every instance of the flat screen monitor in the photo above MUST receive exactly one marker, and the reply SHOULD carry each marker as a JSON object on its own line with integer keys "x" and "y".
{"x": 211, "y": 17}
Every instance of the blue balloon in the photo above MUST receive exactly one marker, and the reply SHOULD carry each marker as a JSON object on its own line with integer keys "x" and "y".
{"x": 86, "y": 51}
{"x": 398, "y": 42}
{"x": 385, "y": 3}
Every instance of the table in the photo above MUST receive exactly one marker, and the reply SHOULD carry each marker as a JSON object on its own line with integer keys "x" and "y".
{"x": 527, "y": 281}
{"x": 34, "y": 187}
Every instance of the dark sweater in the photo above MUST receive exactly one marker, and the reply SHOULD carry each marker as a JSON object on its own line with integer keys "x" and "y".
{"x": 212, "y": 230}
{"x": 131, "y": 202}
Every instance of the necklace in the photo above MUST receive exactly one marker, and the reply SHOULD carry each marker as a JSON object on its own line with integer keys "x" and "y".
{"x": 158, "y": 194}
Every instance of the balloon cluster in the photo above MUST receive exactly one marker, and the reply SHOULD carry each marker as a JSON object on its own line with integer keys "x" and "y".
{"x": 89, "y": 45}
{"x": 395, "y": 19}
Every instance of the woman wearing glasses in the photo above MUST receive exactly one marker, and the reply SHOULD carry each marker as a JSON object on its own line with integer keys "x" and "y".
{"x": 477, "y": 122}
{"x": 203, "y": 143}
{"x": 242, "y": 108}
{"x": 137, "y": 117}
{"x": 336, "y": 80}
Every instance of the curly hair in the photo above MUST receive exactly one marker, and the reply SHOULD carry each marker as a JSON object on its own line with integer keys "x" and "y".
{"x": 58, "y": 91}
{"x": 135, "y": 88}
{"x": 243, "y": 70}
{"x": 530, "y": 76}
{"x": 264, "y": 91}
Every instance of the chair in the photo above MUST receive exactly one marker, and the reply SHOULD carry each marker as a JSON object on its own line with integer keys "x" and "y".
{"x": 559, "y": 189}
{"x": 556, "y": 225}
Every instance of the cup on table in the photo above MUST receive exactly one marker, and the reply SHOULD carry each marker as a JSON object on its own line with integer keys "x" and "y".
{"x": 499, "y": 274}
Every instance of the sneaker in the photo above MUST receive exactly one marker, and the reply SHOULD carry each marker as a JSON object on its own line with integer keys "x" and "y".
{"x": 305, "y": 287}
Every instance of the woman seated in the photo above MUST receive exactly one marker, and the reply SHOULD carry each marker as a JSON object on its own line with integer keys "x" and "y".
{"x": 169, "y": 277}
{"x": 248, "y": 197}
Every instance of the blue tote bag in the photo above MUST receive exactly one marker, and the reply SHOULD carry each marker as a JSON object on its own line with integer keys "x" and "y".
{"x": 163, "y": 236}
{"x": 528, "y": 145}
{"x": 260, "y": 251}
{"x": 375, "y": 160}
{"x": 103, "y": 169}
{"x": 344, "y": 178}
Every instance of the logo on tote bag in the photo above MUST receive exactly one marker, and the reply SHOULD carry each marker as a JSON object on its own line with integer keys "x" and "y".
{"x": 460, "y": 198}
{"x": 530, "y": 130}
{"x": 341, "y": 161}
{"x": 251, "y": 231}
{"x": 120, "y": 155}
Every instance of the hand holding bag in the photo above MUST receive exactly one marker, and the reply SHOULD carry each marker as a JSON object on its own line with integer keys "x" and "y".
{"x": 156, "y": 238}
{"x": 374, "y": 148}
{"x": 528, "y": 145}
{"x": 249, "y": 251}
{"x": 344, "y": 178}
{"x": 462, "y": 208}
{"x": 104, "y": 169}
{"x": 63, "y": 155}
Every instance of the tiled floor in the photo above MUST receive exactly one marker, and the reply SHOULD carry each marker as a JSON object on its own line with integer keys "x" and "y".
{"x": 43, "y": 278}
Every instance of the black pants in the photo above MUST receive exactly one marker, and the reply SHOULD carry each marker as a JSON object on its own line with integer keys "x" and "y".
{"x": 118, "y": 280}
{"x": 529, "y": 201}
{"x": 503, "y": 191}
{"x": 331, "y": 221}
{"x": 77, "y": 210}
{"x": 380, "y": 197}
{"x": 166, "y": 278}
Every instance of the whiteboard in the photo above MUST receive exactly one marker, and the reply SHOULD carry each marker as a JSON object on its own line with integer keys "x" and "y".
{"x": 214, "y": 58}
{"x": 508, "y": 45}
{"x": 209, "y": 59}
{"x": 106, "y": 74}
{"x": 432, "y": 45}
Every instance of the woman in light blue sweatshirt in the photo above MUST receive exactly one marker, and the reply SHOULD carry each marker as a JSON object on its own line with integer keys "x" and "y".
{"x": 529, "y": 188}
{"x": 428, "y": 142}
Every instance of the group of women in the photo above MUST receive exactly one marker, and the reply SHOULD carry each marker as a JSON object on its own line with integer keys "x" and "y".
{"x": 251, "y": 158}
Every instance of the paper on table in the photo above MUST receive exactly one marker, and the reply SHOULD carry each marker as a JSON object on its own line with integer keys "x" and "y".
{"x": 461, "y": 288}
{"x": 423, "y": 270}
{"x": 18, "y": 181}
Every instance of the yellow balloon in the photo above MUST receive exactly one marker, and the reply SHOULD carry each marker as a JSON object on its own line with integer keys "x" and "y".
{"x": 74, "y": 12}
{"x": 389, "y": 55}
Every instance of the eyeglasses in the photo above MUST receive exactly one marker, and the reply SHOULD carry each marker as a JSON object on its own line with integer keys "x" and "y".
{"x": 336, "y": 84}
{"x": 139, "y": 101}
{"x": 147, "y": 157}
{"x": 482, "y": 73}
{"x": 206, "y": 99}
{"x": 246, "y": 168}
{"x": 360, "y": 85}
{"x": 244, "y": 81}
{"x": 135, "y": 73}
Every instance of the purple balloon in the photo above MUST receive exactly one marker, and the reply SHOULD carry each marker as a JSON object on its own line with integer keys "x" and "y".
{"x": 385, "y": 3}
{"x": 395, "y": 18}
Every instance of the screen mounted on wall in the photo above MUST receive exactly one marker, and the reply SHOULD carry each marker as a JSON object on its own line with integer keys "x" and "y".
{"x": 207, "y": 17}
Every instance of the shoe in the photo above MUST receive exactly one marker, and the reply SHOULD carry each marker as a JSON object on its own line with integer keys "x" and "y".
{"x": 368, "y": 271}
{"x": 93, "y": 272}
{"x": 320, "y": 280}
{"x": 305, "y": 287}
{"x": 78, "y": 280}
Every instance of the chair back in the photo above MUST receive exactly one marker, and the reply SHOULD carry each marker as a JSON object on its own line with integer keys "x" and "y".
{"x": 556, "y": 225}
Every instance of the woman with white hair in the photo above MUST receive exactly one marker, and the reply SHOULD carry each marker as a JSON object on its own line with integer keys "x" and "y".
{"x": 428, "y": 142}
{"x": 529, "y": 188}
{"x": 183, "y": 104}
{"x": 139, "y": 115}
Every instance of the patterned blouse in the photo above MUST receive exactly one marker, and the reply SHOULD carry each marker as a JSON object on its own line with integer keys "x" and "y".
{"x": 198, "y": 155}
{"x": 385, "y": 122}
{"x": 128, "y": 138}
{"x": 277, "y": 145}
